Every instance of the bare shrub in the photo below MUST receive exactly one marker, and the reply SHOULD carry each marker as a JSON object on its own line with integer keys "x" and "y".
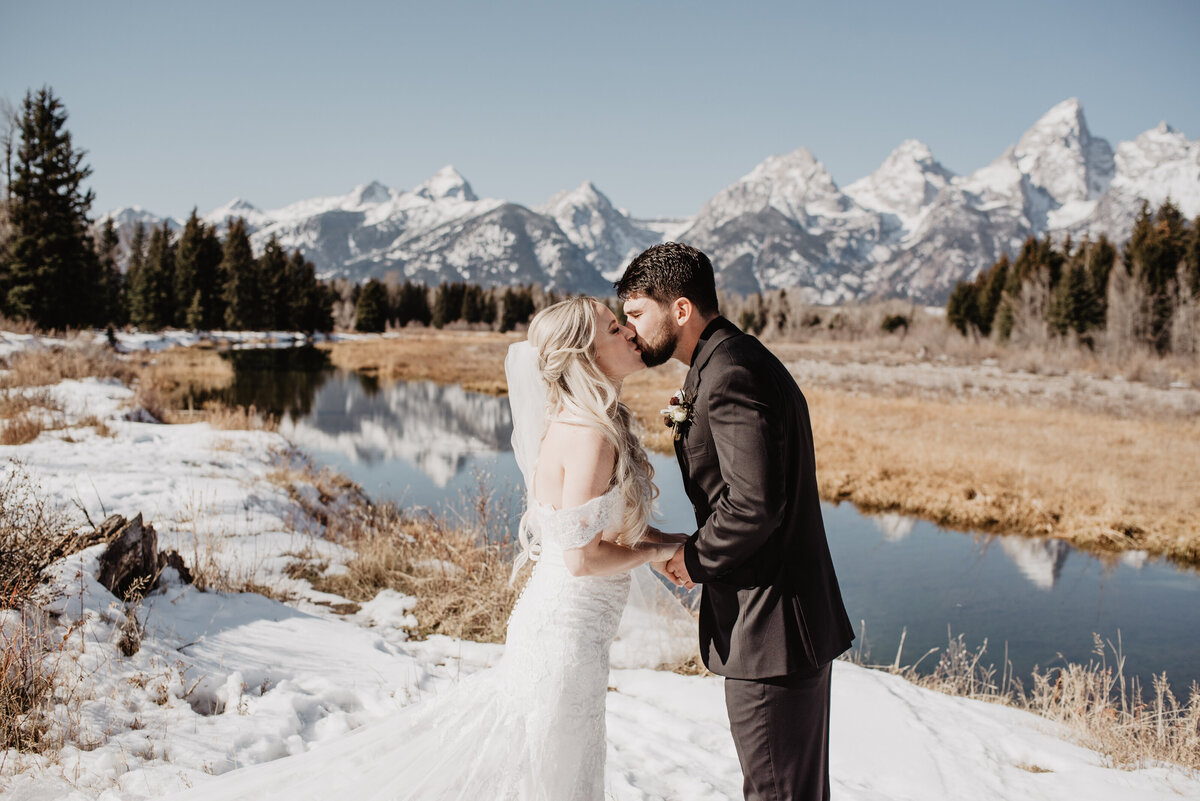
{"x": 1185, "y": 324}
{"x": 29, "y": 666}
{"x": 33, "y": 533}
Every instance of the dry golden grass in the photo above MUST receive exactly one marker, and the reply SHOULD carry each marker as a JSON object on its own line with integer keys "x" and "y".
{"x": 166, "y": 378}
{"x": 16, "y": 402}
{"x": 36, "y": 367}
{"x": 460, "y": 582}
{"x": 21, "y": 430}
{"x": 459, "y": 578}
{"x": 1099, "y": 482}
{"x": 474, "y": 359}
{"x": 224, "y": 417}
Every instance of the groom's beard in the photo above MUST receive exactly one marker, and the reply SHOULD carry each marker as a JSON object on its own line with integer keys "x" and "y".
{"x": 660, "y": 348}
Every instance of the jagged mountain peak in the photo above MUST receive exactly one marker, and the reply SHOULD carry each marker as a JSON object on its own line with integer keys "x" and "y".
{"x": 587, "y": 194}
{"x": 370, "y": 194}
{"x": 238, "y": 204}
{"x": 1060, "y": 155}
{"x": 800, "y": 164}
{"x": 795, "y": 184}
{"x": 448, "y": 183}
{"x": 907, "y": 181}
{"x": 235, "y": 208}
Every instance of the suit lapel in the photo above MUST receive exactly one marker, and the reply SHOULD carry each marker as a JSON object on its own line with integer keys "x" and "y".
{"x": 714, "y": 334}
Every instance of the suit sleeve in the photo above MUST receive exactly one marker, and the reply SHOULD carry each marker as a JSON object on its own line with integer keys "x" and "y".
{"x": 745, "y": 429}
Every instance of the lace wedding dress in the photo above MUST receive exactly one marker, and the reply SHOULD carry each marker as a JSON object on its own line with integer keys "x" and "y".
{"x": 530, "y": 728}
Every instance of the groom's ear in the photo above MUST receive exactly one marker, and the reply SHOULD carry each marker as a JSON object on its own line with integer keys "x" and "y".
{"x": 682, "y": 310}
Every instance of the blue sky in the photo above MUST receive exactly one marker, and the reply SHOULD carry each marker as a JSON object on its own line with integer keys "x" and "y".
{"x": 660, "y": 104}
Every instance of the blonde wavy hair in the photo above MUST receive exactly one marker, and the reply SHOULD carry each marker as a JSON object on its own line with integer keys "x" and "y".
{"x": 564, "y": 338}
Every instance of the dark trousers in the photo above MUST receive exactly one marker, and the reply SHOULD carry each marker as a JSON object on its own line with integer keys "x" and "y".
{"x": 781, "y": 731}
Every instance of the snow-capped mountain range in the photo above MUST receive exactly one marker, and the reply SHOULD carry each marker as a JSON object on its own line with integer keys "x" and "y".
{"x": 912, "y": 228}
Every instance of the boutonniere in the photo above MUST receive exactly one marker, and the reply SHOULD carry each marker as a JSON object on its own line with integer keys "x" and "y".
{"x": 679, "y": 412}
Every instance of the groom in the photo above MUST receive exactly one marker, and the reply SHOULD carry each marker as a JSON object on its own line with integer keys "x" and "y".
{"x": 771, "y": 613}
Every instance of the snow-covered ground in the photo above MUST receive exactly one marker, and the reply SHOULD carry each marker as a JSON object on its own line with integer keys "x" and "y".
{"x": 226, "y": 680}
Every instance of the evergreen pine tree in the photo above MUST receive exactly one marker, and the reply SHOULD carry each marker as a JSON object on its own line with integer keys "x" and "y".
{"x": 1101, "y": 257}
{"x": 1191, "y": 258}
{"x": 371, "y": 307}
{"x": 509, "y": 311}
{"x": 1152, "y": 257}
{"x": 195, "y": 315}
{"x": 49, "y": 268}
{"x": 112, "y": 305}
{"x": 240, "y": 287}
{"x": 962, "y": 310}
{"x": 138, "y": 303}
{"x": 487, "y": 314}
{"x": 989, "y": 293}
{"x": 208, "y": 278}
{"x": 153, "y": 301}
{"x": 187, "y": 267}
{"x": 472, "y": 304}
{"x": 271, "y": 268}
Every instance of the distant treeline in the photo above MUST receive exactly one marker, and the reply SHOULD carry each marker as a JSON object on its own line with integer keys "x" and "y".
{"x": 378, "y": 305}
{"x": 1148, "y": 298}
{"x": 204, "y": 282}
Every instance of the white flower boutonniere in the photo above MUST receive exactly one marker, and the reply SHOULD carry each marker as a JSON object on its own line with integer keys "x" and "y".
{"x": 679, "y": 412}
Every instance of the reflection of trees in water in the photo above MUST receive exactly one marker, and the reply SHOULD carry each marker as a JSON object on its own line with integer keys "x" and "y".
{"x": 369, "y": 383}
{"x": 279, "y": 381}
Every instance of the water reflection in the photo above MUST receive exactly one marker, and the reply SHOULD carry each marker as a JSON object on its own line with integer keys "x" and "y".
{"x": 1040, "y": 561}
{"x": 434, "y": 428}
{"x": 894, "y": 527}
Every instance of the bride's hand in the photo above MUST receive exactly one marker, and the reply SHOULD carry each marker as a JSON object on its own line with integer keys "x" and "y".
{"x": 658, "y": 554}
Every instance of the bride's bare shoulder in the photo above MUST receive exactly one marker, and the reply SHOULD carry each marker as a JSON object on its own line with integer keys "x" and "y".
{"x": 582, "y": 456}
{"x": 576, "y": 439}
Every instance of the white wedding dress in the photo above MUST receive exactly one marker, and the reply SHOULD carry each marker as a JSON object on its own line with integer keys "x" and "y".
{"x": 530, "y": 728}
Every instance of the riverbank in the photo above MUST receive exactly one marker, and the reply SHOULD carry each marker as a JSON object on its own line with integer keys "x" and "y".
{"x": 1107, "y": 464}
{"x": 263, "y": 664}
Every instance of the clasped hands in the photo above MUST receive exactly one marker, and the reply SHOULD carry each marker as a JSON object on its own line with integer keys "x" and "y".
{"x": 673, "y": 568}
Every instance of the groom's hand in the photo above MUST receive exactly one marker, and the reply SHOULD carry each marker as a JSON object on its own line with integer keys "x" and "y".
{"x": 677, "y": 571}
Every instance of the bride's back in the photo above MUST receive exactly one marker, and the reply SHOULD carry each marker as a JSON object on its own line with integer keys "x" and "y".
{"x": 574, "y": 465}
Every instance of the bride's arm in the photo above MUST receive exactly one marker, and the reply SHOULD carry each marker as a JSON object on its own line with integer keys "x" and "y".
{"x": 603, "y": 558}
{"x": 655, "y": 535}
{"x": 588, "y": 464}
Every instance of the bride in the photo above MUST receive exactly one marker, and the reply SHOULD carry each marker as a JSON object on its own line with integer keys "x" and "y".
{"x": 533, "y": 727}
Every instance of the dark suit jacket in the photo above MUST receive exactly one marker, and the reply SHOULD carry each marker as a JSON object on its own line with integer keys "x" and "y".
{"x": 770, "y": 604}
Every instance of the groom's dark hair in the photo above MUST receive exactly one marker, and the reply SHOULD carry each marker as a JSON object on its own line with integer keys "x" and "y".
{"x": 669, "y": 271}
